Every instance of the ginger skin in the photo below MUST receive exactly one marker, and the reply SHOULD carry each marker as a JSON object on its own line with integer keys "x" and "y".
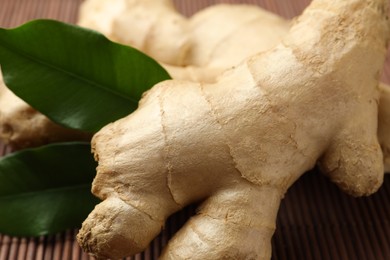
{"x": 21, "y": 126}
{"x": 197, "y": 48}
{"x": 211, "y": 50}
{"x": 240, "y": 143}
{"x": 152, "y": 21}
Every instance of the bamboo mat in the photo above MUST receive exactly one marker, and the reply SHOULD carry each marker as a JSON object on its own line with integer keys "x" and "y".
{"x": 315, "y": 221}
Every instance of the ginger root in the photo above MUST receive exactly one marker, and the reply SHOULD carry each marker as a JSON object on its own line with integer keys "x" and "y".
{"x": 22, "y": 126}
{"x": 240, "y": 143}
{"x": 249, "y": 30}
{"x": 143, "y": 17}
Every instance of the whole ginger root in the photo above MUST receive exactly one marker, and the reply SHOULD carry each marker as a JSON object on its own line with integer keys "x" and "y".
{"x": 240, "y": 143}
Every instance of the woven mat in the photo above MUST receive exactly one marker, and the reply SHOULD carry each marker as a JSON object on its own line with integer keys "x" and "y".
{"x": 315, "y": 221}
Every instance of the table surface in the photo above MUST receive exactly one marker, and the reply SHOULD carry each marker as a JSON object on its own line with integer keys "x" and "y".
{"x": 315, "y": 221}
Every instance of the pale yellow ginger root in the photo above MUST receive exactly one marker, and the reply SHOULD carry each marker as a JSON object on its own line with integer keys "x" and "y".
{"x": 198, "y": 48}
{"x": 156, "y": 28}
{"x": 22, "y": 126}
{"x": 239, "y": 144}
{"x": 217, "y": 43}
{"x": 216, "y": 31}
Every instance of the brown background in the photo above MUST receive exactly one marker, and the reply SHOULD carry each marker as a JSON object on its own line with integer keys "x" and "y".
{"x": 315, "y": 221}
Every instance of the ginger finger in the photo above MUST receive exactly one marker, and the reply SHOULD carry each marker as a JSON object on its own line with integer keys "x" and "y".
{"x": 206, "y": 41}
{"x": 156, "y": 27}
{"x": 232, "y": 212}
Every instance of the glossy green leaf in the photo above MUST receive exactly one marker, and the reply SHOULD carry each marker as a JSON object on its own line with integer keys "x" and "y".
{"x": 75, "y": 76}
{"x": 46, "y": 190}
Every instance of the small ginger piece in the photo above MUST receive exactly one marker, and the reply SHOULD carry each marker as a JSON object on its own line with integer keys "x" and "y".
{"x": 240, "y": 143}
{"x": 22, "y": 126}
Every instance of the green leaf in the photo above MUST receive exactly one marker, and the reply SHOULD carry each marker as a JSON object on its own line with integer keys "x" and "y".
{"x": 46, "y": 190}
{"x": 75, "y": 76}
